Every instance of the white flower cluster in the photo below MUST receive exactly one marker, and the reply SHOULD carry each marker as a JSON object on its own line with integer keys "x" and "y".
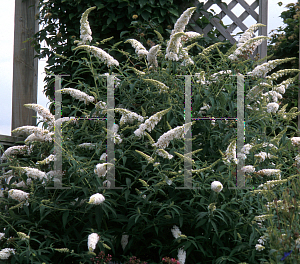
{"x": 272, "y": 108}
{"x": 34, "y": 173}
{"x": 140, "y": 50}
{"x": 150, "y": 123}
{"x": 271, "y": 184}
{"x": 47, "y": 160}
{"x": 280, "y": 73}
{"x": 128, "y": 116}
{"x": 263, "y": 155}
{"x": 42, "y": 111}
{"x": 30, "y": 130}
{"x": 261, "y": 218}
{"x": 18, "y": 195}
{"x": 39, "y": 138}
{"x": 101, "y": 169}
{"x": 14, "y": 150}
{"x": 92, "y": 241}
{"x": 230, "y": 154}
{"x": 205, "y": 107}
{"x": 295, "y": 141}
{"x": 162, "y": 86}
{"x": 100, "y": 54}
{"x": 259, "y": 247}
{"x": 216, "y": 186}
{"x": 248, "y": 47}
{"x": 101, "y": 105}
{"x": 71, "y": 119}
{"x": 283, "y": 85}
{"x": 96, "y": 199}
{"x": 274, "y": 95}
{"x": 269, "y": 172}
{"x": 177, "y": 132}
{"x": 270, "y": 145}
{"x": 176, "y": 35}
{"x": 22, "y": 236}
{"x": 176, "y": 231}
{"x": 87, "y": 145}
{"x": 262, "y": 239}
{"x": 248, "y": 34}
{"x": 6, "y": 253}
{"x": 85, "y": 30}
{"x": 124, "y": 241}
{"x": 117, "y": 137}
{"x": 181, "y": 255}
{"x": 201, "y": 77}
{"x": 297, "y": 159}
{"x": 81, "y": 96}
{"x": 173, "y": 46}
{"x": 263, "y": 69}
{"x": 280, "y": 205}
{"x": 183, "y": 20}
{"x": 248, "y": 169}
{"x": 164, "y": 154}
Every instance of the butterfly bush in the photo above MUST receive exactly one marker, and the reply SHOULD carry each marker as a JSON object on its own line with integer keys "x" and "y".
{"x": 138, "y": 219}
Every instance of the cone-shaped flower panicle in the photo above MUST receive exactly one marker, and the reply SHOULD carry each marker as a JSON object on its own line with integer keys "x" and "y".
{"x": 42, "y": 111}
{"x": 100, "y": 54}
{"x": 128, "y": 116}
{"x": 248, "y": 169}
{"x": 81, "y": 96}
{"x": 29, "y": 130}
{"x": 92, "y": 241}
{"x": 177, "y": 132}
{"x": 18, "y": 195}
{"x": 272, "y": 108}
{"x": 248, "y": 34}
{"x": 181, "y": 255}
{"x": 183, "y": 20}
{"x": 47, "y": 160}
{"x": 15, "y": 150}
{"x": 124, "y": 241}
{"x": 140, "y": 50}
{"x": 39, "y": 138}
{"x": 176, "y": 231}
{"x": 162, "y": 86}
{"x": 85, "y": 30}
{"x": 96, "y": 199}
{"x": 33, "y": 172}
{"x": 6, "y": 253}
{"x": 101, "y": 169}
{"x": 247, "y": 48}
{"x": 216, "y": 186}
{"x": 152, "y": 55}
{"x": 263, "y": 69}
{"x": 173, "y": 46}
{"x": 191, "y": 35}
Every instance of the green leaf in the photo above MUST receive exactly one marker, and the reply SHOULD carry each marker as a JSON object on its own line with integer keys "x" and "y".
{"x": 142, "y": 3}
{"x": 215, "y": 227}
{"x": 109, "y": 20}
{"x": 65, "y": 218}
{"x": 123, "y": 33}
{"x": 145, "y": 15}
{"x": 162, "y": 2}
{"x": 174, "y": 12}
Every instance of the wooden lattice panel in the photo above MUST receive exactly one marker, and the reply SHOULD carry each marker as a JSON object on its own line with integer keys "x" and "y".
{"x": 249, "y": 10}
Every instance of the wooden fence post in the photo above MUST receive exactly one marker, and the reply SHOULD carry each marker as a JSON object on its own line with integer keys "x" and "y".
{"x": 25, "y": 67}
{"x": 263, "y": 31}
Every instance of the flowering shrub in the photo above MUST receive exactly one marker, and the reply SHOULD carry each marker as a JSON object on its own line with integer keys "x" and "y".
{"x": 154, "y": 214}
